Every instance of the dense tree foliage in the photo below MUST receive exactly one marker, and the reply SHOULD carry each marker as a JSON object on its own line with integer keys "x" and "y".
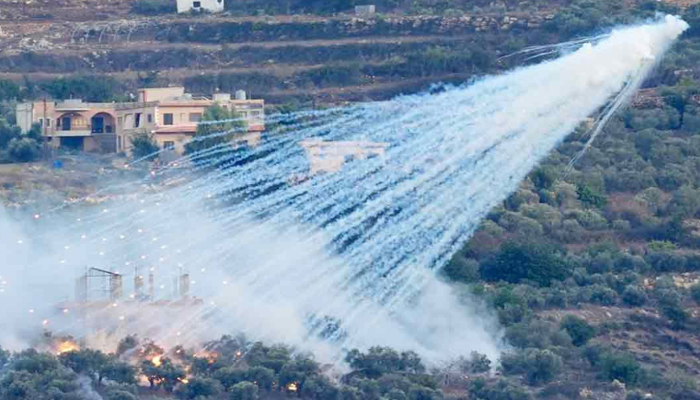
{"x": 143, "y": 146}
{"x": 18, "y": 147}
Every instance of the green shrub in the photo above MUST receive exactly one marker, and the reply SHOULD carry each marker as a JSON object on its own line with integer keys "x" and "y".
{"x": 538, "y": 366}
{"x": 144, "y": 147}
{"x": 695, "y": 293}
{"x": 620, "y": 366}
{"x": 676, "y": 314}
{"x": 244, "y": 391}
{"x": 515, "y": 262}
{"x": 9, "y": 90}
{"x": 88, "y": 88}
{"x": 578, "y": 329}
{"x": 634, "y": 296}
{"x": 480, "y": 389}
{"x": 23, "y": 150}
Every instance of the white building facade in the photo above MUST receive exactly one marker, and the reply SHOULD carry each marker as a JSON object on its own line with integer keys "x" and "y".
{"x": 214, "y": 6}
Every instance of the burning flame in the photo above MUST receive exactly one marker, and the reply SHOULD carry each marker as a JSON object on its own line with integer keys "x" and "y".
{"x": 156, "y": 361}
{"x": 184, "y": 380}
{"x": 66, "y": 347}
{"x": 292, "y": 387}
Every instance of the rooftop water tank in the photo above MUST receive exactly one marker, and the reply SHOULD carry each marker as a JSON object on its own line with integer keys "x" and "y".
{"x": 241, "y": 95}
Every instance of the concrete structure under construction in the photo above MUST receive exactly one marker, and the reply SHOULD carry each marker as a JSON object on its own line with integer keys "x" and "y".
{"x": 330, "y": 156}
{"x": 100, "y": 289}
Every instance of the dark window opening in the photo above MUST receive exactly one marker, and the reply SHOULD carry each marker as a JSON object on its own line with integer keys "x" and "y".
{"x": 137, "y": 120}
{"x": 167, "y": 119}
{"x": 169, "y": 145}
{"x": 196, "y": 4}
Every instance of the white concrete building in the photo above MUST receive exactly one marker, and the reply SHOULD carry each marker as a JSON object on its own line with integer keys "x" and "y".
{"x": 200, "y": 5}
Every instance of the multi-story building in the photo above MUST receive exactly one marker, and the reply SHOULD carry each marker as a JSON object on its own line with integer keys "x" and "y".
{"x": 171, "y": 116}
{"x": 168, "y": 114}
{"x": 72, "y": 123}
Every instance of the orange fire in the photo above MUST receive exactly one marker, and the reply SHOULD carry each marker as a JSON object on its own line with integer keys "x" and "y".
{"x": 157, "y": 361}
{"x": 292, "y": 387}
{"x": 66, "y": 346}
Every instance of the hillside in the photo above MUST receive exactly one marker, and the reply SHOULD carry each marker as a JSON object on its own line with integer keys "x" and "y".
{"x": 594, "y": 274}
{"x": 299, "y": 58}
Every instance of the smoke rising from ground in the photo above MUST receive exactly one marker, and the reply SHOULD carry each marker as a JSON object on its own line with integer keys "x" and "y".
{"x": 332, "y": 261}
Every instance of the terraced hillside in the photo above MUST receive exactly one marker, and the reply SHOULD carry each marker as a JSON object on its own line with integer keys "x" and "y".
{"x": 297, "y": 57}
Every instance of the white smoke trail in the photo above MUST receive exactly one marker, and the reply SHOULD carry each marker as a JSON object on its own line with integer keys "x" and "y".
{"x": 339, "y": 260}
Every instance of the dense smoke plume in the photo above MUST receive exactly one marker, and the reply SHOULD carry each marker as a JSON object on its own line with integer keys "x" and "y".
{"x": 324, "y": 262}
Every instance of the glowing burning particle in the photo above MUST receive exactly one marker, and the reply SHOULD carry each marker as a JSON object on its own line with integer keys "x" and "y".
{"x": 292, "y": 387}
{"x": 194, "y": 282}
{"x": 105, "y": 210}
{"x": 179, "y": 333}
{"x": 115, "y": 304}
{"x": 65, "y": 311}
{"x": 19, "y": 241}
{"x": 67, "y": 347}
{"x": 45, "y": 322}
{"x": 37, "y": 216}
{"x": 163, "y": 247}
{"x": 127, "y": 263}
{"x": 153, "y": 268}
{"x": 238, "y": 353}
{"x": 104, "y": 239}
{"x": 156, "y": 361}
{"x": 31, "y": 311}
{"x": 140, "y": 231}
{"x": 122, "y": 237}
{"x": 79, "y": 220}
{"x": 225, "y": 282}
{"x": 178, "y": 351}
{"x": 83, "y": 237}
{"x": 155, "y": 239}
{"x": 121, "y": 318}
{"x": 143, "y": 257}
{"x": 132, "y": 296}
{"x": 157, "y": 204}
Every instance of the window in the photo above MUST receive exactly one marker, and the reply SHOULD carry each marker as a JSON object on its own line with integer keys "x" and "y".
{"x": 167, "y": 119}
{"x": 149, "y": 117}
{"x": 169, "y": 145}
{"x": 196, "y": 4}
{"x": 195, "y": 117}
{"x": 48, "y": 122}
{"x": 137, "y": 120}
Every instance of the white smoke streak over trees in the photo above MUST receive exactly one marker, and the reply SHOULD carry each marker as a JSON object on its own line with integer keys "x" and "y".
{"x": 341, "y": 260}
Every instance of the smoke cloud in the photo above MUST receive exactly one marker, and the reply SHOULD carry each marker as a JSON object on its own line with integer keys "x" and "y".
{"x": 324, "y": 262}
